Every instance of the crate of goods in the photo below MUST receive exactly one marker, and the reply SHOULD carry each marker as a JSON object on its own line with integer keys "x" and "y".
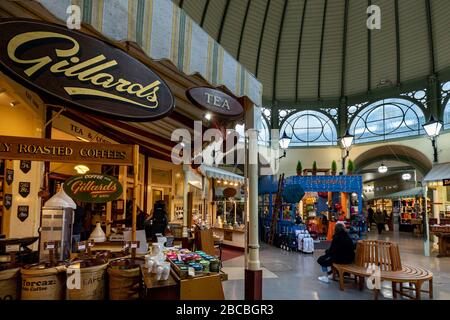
{"x": 176, "y": 229}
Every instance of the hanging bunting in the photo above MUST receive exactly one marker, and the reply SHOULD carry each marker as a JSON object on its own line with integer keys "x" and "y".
{"x": 22, "y": 212}
{"x": 7, "y": 202}
{"x": 9, "y": 176}
{"x": 25, "y": 166}
{"x": 24, "y": 188}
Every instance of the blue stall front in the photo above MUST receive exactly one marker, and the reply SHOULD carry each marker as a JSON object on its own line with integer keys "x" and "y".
{"x": 337, "y": 186}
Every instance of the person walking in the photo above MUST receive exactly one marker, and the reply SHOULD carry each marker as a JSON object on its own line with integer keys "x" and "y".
{"x": 370, "y": 215}
{"x": 380, "y": 219}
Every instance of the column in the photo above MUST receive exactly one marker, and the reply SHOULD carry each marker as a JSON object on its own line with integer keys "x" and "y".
{"x": 426, "y": 229}
{"x": 185, "y": 200}
{"x": 253, "y": 272}
{"x": 436, "y": 210}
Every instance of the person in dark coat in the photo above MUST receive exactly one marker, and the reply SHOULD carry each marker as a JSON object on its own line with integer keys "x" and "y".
{"x": 370, "y": 216}
{"x": 341, "y": 251}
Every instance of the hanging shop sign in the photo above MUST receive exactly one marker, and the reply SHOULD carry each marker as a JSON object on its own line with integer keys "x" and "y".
{"x": 24, "y": 189}
{"x": 216, "y": 101}
{"x": 9, "y": 176}
{"x": 19, "y": 148}
{"x": 93, "y": 188}
{"x": 446, "y": 182}
{"x": 229, "y": 192}
{"x": 23, "y": 212}
{"x": 7, "y": 202}
{"x": 82, "y": 71}
{"x": 25, "y": 166}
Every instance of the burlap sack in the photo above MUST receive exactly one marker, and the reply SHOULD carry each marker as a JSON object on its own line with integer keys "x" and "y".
{"x": 9, "y": 284}
{"x": 124, "y": 284}
{"x": 93, "y": 281}
{"x": 43, "y": 284}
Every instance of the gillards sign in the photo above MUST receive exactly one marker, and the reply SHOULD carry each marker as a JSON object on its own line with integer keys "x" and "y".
{"x": 82, "y": 71}
{"x": 97, "y": 188}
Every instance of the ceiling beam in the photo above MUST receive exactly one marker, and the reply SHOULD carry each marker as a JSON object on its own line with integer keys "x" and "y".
{"x": 397, "y": 41}
{"x": 344, "y": 49}
{"x": 261, "y": 35}
{"x": 280, "y": 30}
{"x": 369, "y": 55}
{"x": 300, "y": 38}
{"x": 202, "y": 21}
{"x": 319, "y": 77}
{"x": 219, "y": 37}
{"x": 242, "y": 30}
{"x": 430, "y": 36}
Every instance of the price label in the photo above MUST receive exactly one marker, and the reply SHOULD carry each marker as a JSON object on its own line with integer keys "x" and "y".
{"x": 191, "y": 272}
{"x": 12, "y": 248}
{"x": 135, "y": 244}
{"x": 49, "y": 246}
{"x": 81, "y": 246}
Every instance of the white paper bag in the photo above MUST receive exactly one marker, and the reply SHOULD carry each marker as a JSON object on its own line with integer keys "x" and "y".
{"x": 140, "y": 236}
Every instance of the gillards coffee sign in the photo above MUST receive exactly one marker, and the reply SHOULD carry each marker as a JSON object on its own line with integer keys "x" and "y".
{"x": 82, "y": 71}
{"x": 97, "y": 188}
{"x": 216, "y": 101}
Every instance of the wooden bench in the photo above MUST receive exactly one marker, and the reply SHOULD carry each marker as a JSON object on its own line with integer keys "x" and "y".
{"x": 386, "y": 255}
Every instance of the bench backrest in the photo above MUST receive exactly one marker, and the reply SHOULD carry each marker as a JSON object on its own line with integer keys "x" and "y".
{"x": 384, "y": 254}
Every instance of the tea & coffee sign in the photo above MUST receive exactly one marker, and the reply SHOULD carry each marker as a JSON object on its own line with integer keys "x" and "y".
{"x": 215, "y": 101}
{"x": 93, "y": 188}
{"x": 82, "y": 71}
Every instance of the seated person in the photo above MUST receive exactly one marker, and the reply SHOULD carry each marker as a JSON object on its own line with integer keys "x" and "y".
{"x": 158, "y": 222}
{"x": 341, "y": 251}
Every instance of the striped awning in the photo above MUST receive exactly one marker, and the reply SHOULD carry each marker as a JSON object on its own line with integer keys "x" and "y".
{"x": 438, "y": 173}
{"x": 414, "y": 192}
{"x": 217, "y": 173}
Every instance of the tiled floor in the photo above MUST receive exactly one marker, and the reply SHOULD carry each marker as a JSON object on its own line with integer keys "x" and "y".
{"x": 293, "y": 275}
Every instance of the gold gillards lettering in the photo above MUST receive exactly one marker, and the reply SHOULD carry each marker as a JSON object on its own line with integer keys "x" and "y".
{"x": 85, "y": 71}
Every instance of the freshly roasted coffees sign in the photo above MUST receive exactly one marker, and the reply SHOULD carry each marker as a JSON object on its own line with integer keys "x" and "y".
{"x": 19, "y": 148}
{"x": 82, "y": 71}
{"x": 215, "y": 101}
{"x": 97, "y": 188}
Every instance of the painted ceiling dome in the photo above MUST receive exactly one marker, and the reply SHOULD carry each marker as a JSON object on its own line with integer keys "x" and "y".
{"x": 306, "y": 51}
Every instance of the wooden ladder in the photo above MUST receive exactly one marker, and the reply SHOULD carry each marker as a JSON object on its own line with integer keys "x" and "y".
{"x": 276, "y": 210}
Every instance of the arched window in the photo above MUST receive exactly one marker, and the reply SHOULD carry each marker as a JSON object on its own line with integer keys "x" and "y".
{"x": 387, "y": 119}
{"x": 264, "y": 134}
{"x": 309, "y": 128}
{"x": 447, "y": 116}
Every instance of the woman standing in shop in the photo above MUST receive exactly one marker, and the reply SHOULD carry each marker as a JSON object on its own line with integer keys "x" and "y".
{"x": 380, "y": 220}
{"x": 341, "y": 251}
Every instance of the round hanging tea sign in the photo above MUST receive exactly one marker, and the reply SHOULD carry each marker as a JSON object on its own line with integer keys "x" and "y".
{"x": 216, "y": 101}
{"x": 93, "y": 188}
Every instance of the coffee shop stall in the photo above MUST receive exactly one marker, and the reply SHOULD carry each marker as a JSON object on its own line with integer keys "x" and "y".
{"x": 81, "y": 102}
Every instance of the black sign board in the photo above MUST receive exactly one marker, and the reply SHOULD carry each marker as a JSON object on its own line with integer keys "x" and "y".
{"x": 24, "y": 188}
{"x": 25, "y": 166}
{"x": 22, "y": 212}
{"x": 216, "y": 101}
{"x": 82, "y": 71}
{"x": 9, "y": 176}
{"x": 446, "y": 182}
{"x": 7, "y": 201}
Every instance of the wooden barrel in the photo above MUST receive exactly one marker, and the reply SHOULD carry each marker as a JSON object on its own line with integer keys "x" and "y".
{"x": 9, "y": 284}
{"x": 92, "y": 283}
{"x": 124, "y": 279}
{"x": 40, "y": 282}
